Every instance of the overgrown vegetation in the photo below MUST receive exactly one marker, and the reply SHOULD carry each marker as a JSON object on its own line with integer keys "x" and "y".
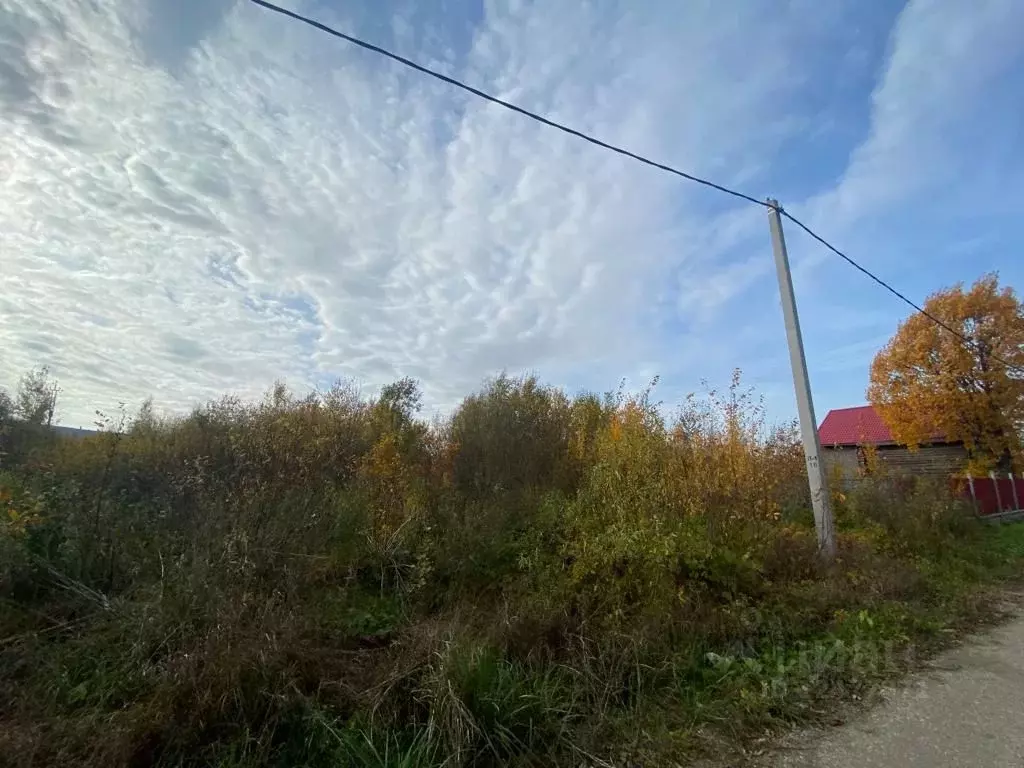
{"x": 539, "y": 580}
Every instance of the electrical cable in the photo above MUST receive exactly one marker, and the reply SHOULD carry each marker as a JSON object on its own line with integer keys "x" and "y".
{"x": 967, "y": 341}
{"x": 507, "y": 105}
{"x": 624, "y": 152}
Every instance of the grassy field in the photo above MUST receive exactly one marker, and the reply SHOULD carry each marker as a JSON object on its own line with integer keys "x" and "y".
{"x": 538, "y": 580}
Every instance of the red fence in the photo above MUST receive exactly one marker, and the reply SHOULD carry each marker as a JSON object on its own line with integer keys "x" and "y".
{"x": 992, "y": 495}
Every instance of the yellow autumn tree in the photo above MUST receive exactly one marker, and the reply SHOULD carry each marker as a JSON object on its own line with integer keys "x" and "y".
{"x": 927, "y": 382}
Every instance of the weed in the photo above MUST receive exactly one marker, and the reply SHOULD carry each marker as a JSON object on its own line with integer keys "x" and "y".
{"x": 539, "y": 580}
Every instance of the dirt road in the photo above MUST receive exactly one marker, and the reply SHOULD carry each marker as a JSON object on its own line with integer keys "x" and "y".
{"x": 966, "y": 709}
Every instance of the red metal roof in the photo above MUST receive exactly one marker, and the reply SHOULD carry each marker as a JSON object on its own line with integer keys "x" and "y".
{"x": 854, "y": 426}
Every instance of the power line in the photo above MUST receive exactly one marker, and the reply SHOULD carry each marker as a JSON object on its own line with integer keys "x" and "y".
{"x": 507, "y": 105}
{"x": 620, "y": 151}
{"x": 970, "y": 343}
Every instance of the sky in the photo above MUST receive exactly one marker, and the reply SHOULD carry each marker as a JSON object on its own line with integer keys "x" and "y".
{"x": 202, "y": 197}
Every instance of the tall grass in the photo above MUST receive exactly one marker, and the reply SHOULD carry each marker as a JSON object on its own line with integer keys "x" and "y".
{"x": 540, "y": 579}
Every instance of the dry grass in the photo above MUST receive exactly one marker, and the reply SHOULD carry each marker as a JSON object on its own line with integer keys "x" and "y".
{"x": 539, "y": 580}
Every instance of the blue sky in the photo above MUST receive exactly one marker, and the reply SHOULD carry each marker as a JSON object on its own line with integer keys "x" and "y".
{"x": 202, "y": 197}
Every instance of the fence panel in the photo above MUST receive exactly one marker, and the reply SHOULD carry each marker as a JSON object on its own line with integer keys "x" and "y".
{"x": 992, "y": 495}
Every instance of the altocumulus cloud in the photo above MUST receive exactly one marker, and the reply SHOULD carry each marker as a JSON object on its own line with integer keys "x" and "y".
{"x": 205, "y": 201}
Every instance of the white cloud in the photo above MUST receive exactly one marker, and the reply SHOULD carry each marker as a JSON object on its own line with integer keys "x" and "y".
{"x": 279, "y": 204}
{"x": 937, "y": 113}
{"x": 939, "y": 159}
{"x": 263, "y": 201}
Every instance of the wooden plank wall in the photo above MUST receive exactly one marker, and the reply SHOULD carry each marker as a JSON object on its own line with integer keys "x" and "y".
{"x": 938, "y": 461}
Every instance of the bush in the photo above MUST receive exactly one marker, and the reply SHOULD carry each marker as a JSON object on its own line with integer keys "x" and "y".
{"x": 511, "y": 438}
{"x": 537, "y": 580}
{"x": 911, "y": 515}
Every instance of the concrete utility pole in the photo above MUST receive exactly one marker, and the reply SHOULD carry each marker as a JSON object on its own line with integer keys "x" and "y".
{"x": 805, "y": 405}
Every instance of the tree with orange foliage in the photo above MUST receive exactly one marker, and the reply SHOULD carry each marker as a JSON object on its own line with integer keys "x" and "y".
{"x": 927, "y": 382}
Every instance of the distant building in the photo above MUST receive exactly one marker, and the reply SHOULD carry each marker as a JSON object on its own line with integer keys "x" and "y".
{"x": 846, "y": 432}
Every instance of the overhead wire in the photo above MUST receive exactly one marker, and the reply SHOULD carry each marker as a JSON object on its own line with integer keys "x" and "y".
{"x": 507, "y": 104}
{"x": 620, "y": 151}
{"x": 945, "y": 326}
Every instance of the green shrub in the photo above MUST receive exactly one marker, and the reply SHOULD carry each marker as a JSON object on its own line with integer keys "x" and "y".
{"x": 511, "y": 438}
{"x": 913, "y": 515}
{"x": 538, "y": 580}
